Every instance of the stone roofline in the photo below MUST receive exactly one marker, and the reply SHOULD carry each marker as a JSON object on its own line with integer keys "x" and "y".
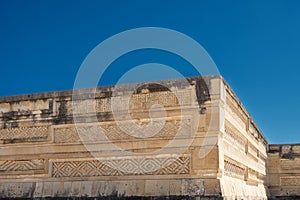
{"x": 285, "y": 151}
{"x": 106, "y": 90}
{"x": 243, "y": 108}
{"x": 286, "y": 144}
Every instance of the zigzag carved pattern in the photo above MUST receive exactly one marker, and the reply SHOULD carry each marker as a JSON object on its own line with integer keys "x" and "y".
{"x": 233, "y": 137}
{"x": 24, "y": 133}
{"x": 21, "y": 165}
{"x": 233, "y": 168}
{"x": 122, "y": 167}
{"x": 144, "y": 101}
{"x": 114, "y": 132}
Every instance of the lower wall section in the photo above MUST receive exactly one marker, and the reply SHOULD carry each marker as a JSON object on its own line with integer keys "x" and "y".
{"x": 233, "y": 188}
{"x": 176, "y": 188}
{"x": 146, "y": 165}
{"x": 284, "y": 171}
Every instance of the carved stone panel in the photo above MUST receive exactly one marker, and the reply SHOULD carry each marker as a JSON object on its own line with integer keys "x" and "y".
{"x": 22, "y": 166}
{"x": 155, "y": 165}
{"x": 24, "y": 134}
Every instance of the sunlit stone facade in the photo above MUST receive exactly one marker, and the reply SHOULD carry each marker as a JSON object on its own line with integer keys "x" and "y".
{"x": 162, "y": 139}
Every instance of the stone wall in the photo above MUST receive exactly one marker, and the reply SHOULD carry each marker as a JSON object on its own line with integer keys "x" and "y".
{"x": 118, "y": 141}
{"x": 72, "y": 144}
{"x": 284, "y": 170}
{"x": 243, "y": 152}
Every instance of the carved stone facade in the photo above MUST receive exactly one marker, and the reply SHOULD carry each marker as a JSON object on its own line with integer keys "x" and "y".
{"x": 91, "y": 143}
{"x": 284, "y": 171}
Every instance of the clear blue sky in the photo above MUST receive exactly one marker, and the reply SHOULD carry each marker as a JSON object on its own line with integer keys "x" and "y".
{"x": 255, "y": 44}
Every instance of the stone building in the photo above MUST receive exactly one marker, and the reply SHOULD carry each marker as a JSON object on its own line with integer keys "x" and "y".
{"x": 183, "y": 138}
{"x": 283, "y": 167}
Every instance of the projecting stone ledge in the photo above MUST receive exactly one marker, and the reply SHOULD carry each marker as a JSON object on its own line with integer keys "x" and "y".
{"x": 116, "y": 142}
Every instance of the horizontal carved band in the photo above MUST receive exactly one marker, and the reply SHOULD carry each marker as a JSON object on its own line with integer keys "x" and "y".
{"x": 290, "y": 164}
{"x": 113, "y": 131}
{"x": 232, "y": 169}
{"x": 135, "y": 101}
{"x": 290, "y": 181}
{"x": 233, "y": 137}
{"x": 22, "y": 166}
{"x": 122, "y": 166}
{"x": 23, "y": 134}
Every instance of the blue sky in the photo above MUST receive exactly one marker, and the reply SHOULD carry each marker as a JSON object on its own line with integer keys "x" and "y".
{"x": 255, "y": 45}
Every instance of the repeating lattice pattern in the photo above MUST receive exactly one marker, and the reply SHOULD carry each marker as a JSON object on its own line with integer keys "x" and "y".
{"x": 114, "y": 132}
{"x": 24, "y": 133}
{"x": 140, "y": 101}
{"x": 235, "y": 107}
{"x": 236, "y": 114}
{"x": 233, "y": 138}
{"x": 232, "y": 169}
{"x": 21, "y": 165}
{"x": 253, "y": 150}
{"x": 252, "y": 174}
{"x": 122, "y": 167}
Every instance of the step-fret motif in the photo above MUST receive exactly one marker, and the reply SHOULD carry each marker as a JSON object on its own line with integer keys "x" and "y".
{"x": 122, "y": 167}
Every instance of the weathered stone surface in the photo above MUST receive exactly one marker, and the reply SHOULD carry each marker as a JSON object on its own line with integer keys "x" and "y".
{"x": 202, "y": 145}
{"x": 284, "y": 171}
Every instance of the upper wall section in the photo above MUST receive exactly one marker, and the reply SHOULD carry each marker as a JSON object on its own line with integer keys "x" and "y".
{"x": 30, "y": 118}
{"x": 56, "y": 107}
{"x": 243, "y": 119}
{"x": 44, "y": 153}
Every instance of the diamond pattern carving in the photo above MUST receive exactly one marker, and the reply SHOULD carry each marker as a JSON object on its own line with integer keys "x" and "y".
{"x": 122, "y": 167}
{"x": 21, "y": 165}
{"x": 37, "y": 132}
{"x": 114, "y": 132}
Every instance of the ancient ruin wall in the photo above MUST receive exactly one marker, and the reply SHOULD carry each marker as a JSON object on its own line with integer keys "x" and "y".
{"x": 284, "y": 170}
{"x": 43, "y": 153}
{"x": 244, "y": 151}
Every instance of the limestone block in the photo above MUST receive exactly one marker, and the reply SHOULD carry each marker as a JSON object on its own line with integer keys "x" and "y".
{"x": 16, "y": 189}
{"x": 290, "y": 181}
{"x": 98, "y": 188}
{"x": 285, "y": 149}
{"x": 175, "y": 187}
{"x": 67, "y": 188}
{"x": 296, "y": 149}
{"x": 193, "y": 187}
{"x": 274, "y": 179}
{"x": 163, "y": 187}
{"x": 47, "y": 189}
{"x": 58, "y": 189}
{"x": 75, "y": 188}
{"x": 212, "y": 187}
{"x": 38, "y": 191}
{"x": 86, "y": 188}
{"x": 4, "y": 107}
{"x": 205, "y": 158}
{"x": 140, "y": 187}
{"x": 151, "y": 188}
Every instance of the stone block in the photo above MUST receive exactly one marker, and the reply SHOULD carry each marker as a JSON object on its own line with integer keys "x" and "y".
{"x": 38, "y": 191}
{"x": 86, "y": 188}
{"x": 175, "y": 187}
{"x": 17, "y": 189}
{"x": 47, "y": 189}
{"x": 151, "y": 188}
{"x": 75, "y": 188}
